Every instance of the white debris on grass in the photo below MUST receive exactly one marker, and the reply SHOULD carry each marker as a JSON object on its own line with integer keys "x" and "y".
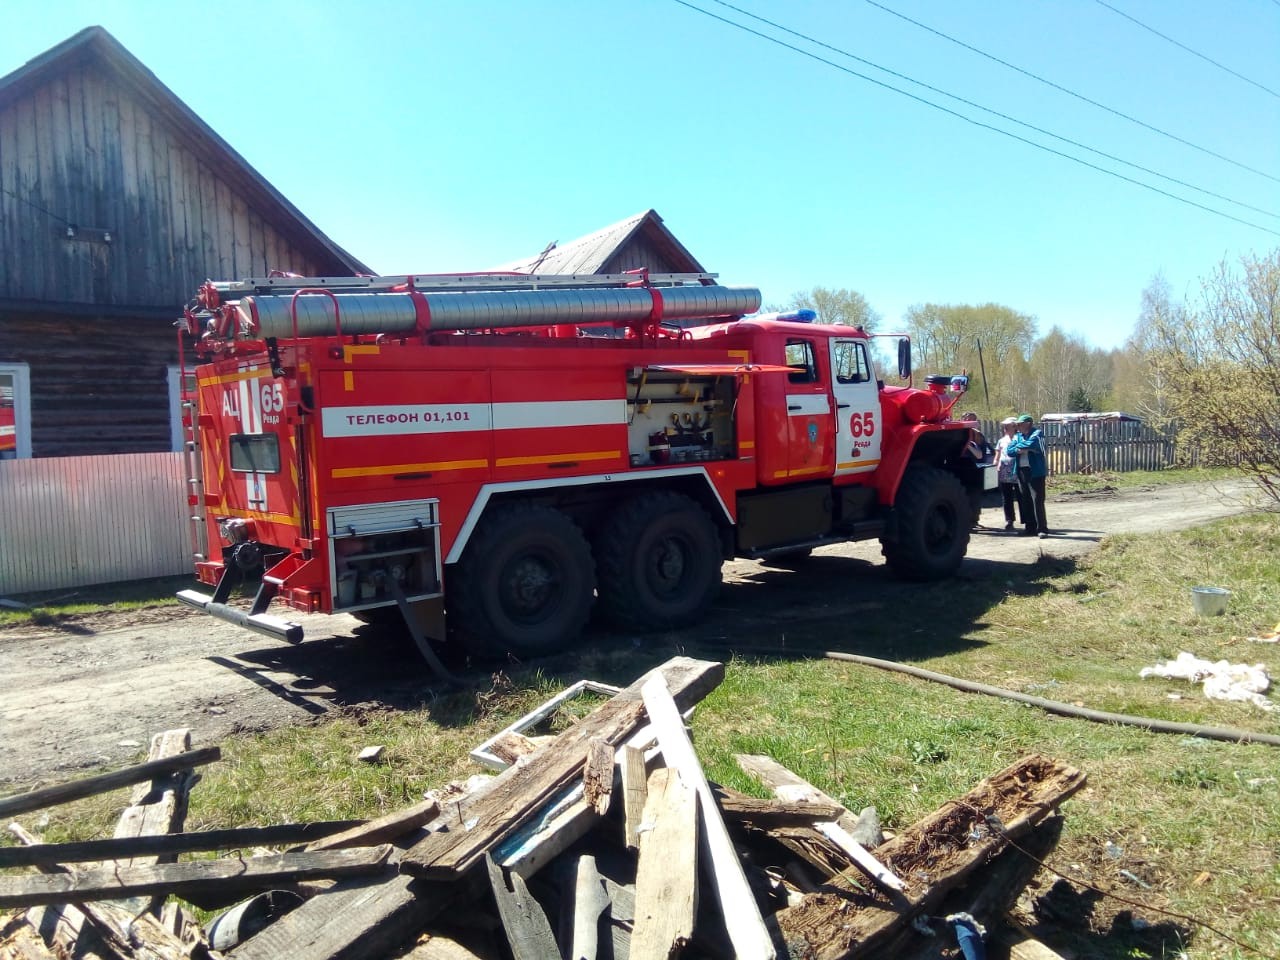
{"x": 1221, "y": 680}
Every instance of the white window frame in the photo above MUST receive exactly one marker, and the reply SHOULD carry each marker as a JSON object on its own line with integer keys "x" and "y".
{"x": 21, "y": 374}
{"x": 176, "y": 435}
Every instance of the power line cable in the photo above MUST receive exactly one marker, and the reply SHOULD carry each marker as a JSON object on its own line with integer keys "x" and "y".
{"x": 35, "y": 206}
{"x": 1072, "y": 93}
{"x": 978, "y": 123}
{"x": 1183, "y": 46}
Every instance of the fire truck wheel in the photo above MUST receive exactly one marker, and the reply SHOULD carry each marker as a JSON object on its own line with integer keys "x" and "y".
{"x": 524, "y": 585}
{"x": 658, "y": 560}
{"x": 933, "y": 521}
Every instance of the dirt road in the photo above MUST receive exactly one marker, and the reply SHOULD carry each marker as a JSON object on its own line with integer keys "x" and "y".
{"x": 90, "y": 692}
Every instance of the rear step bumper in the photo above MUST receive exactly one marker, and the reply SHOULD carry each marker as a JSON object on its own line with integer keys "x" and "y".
{"x": 257, "y": 622}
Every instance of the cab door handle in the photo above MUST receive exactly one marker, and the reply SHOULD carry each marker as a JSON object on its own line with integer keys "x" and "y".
{"x": 843, "y": 406}
{"x": 794, "y": 406}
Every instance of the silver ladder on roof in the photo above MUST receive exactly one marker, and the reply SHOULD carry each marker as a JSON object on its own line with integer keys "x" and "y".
{"x": 429, "y": 282}
{"x": 193, "y": 467}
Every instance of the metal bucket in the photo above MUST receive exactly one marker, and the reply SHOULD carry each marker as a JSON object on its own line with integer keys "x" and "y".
{"x": 1209, "y": 601}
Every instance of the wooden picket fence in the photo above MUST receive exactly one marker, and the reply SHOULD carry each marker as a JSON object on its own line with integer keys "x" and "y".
{"x": 1112, "y": 447}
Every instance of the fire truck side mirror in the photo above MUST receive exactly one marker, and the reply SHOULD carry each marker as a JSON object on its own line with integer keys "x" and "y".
{"x": 904, "y": 359}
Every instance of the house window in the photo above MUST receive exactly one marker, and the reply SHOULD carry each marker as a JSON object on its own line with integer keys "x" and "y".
{"x": 176, "y": 434}
{"x": 799, "y": 357}
{"x": 15, "y": 411}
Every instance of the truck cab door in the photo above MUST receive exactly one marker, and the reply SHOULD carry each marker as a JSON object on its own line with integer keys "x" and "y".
{"x": 857, "y": 407}
{"x": 810, "y": 451}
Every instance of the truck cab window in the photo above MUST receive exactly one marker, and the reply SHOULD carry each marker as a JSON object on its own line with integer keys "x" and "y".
{"x": 851, "y": 362}
{"x": 800, "y": 358}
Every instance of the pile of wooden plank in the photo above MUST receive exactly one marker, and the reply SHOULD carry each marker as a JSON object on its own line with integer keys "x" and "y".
{"x": 605, "y": 841}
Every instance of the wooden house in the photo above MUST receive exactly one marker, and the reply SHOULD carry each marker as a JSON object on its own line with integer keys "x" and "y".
{"x": 116, "y": 202}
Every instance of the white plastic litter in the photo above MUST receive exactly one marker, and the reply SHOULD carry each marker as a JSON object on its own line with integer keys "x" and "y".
{"x": 1221, "y": 680}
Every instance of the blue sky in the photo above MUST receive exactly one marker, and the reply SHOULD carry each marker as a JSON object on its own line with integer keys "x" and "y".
{"x": 440, "y": 136}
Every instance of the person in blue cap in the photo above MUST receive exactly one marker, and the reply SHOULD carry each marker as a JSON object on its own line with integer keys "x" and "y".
{"x": 1027, "y": 447}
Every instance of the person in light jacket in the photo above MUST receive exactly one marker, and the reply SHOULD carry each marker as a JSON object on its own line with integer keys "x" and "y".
{"x": 1007, "y": 474}
{"x": 1033, "y": 467}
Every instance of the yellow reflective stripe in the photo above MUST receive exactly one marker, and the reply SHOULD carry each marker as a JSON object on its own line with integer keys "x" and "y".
{"x": 799, "y": 472}
{"x": 856, "y": 464}
{"x": 234, "y": 377}
{"x": 393, "y": 468}
{"x": 259, "y": 515}
{"x": 559, "y": 458}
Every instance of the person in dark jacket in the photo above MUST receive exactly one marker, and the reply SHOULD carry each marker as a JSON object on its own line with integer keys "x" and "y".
{"x": 1027, "y": 447}
{"x": 978, "y": 454}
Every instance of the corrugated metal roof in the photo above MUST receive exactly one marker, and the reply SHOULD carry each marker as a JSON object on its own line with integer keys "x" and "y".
{"x": 589, "y": 254}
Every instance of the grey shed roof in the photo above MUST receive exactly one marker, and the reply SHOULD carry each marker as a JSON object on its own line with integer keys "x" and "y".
{"x": 592, "y": 253}
{"x": 95, "y": 43}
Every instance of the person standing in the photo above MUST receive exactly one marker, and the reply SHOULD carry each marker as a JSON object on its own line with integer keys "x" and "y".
{"x": 1033, "y": 467}
{"x": 978, "y": 454}
{"x": 1007, "y": 474}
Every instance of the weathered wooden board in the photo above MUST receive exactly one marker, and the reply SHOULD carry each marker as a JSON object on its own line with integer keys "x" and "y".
{"x": 91, "y": 786}
{"x": 634, "y": 791}
{"x": 933, "y": 856}
{"x": 528, "y": 932}
{"x": 747, "y": 930}
{"x": 194, "y": 877}
{"x": 987, "y": 895}
{"x": 667, "y": 872}
{"x": 361, "y": 919}
{"x": 108, "y": 930}
{"x": 239, "y": 838}
{"x": 586, "y": 909}
{"x": 786, "y": 784}
{"x": 597, "y": 776}
{"x": 158, "y": 808}
{"x": 765, "y": 813}
{"x": 520, "y": 791}
{"x": 384, "y": 829}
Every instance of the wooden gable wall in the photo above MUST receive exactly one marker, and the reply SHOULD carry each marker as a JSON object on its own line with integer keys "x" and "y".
{"x": 85, "y": 157}
{"x": 640, "y": 251}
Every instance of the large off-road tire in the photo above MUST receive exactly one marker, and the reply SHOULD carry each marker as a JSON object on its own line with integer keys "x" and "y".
{"x": 524, "y": 585}
{"x": 933, "y": 519}
{"x": 658, "y": 560}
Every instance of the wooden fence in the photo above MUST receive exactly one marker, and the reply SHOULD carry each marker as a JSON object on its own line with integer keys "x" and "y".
{"x": 1108, "y": 446}
{"x": 73, "y": 521}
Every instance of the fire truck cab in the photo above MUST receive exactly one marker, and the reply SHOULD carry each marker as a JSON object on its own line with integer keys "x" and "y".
{"x": 494, "y": 458}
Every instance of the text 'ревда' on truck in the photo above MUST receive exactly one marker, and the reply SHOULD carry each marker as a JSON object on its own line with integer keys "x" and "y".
{"x": 513, "y": 451}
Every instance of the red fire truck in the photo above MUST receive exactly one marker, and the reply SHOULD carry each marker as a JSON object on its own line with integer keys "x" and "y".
{"x": 515, "y": 451}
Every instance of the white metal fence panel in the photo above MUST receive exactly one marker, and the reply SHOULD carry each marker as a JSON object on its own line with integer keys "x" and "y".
{"x": 74, "y": 521}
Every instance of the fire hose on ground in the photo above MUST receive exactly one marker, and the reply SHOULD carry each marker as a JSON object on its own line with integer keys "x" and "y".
{"x": 1227, "y": 734}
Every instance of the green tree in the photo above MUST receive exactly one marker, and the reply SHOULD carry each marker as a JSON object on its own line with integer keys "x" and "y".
{"x": 1064, "y": 366}
{"x": 1140, "y": 385}
{"x": 946, "y": 339}
{"x": 845, "y": 307}
{"x": 1079, "y": 401}
{"x": 1219, "y": 361}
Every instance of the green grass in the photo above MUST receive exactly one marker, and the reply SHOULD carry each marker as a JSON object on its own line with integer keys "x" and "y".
{"x": 43, "y": 606}
{"x": 1138, "y": 479}
{"x": 1196, "y": 820}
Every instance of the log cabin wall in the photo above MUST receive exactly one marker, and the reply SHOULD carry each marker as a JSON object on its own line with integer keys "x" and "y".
{"x": 115, "y": 203}
{"x": 98, "y": 384}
